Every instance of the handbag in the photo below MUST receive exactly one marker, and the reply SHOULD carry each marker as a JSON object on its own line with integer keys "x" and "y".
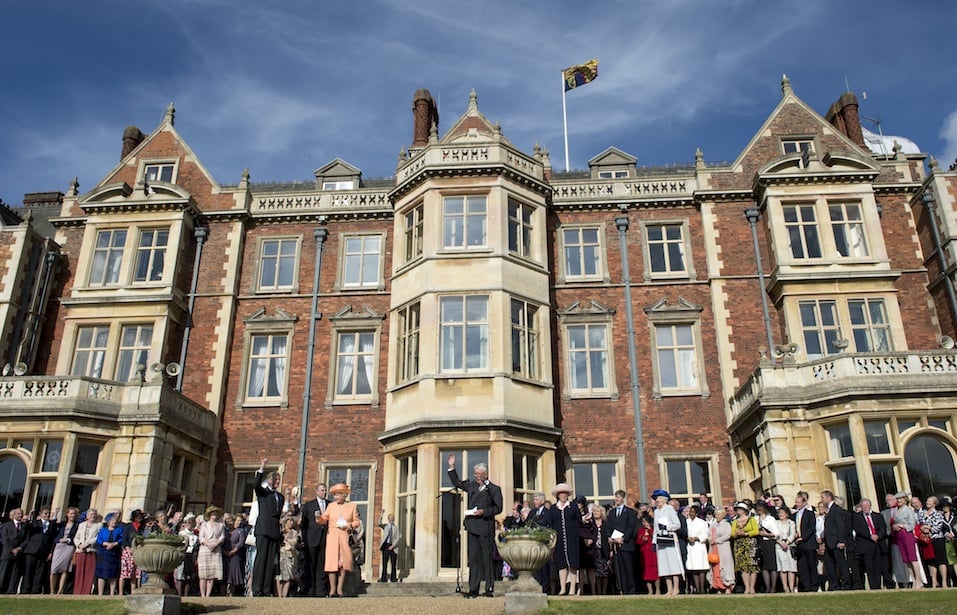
{"x": 713, "y": 557}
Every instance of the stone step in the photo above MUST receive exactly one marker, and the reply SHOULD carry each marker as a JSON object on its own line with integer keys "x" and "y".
{"x": 392, "y": 590}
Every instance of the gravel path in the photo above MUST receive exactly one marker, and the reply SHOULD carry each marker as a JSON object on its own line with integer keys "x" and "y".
{"x": 425, "y": 605}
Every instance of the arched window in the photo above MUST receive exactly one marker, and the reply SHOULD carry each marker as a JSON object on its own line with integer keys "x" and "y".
{"x": 930, "y": 466}
{"x": 13, "y": 478}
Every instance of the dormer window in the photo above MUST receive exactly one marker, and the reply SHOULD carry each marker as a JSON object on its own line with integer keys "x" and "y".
{"x": 612, "y": 174}
{"x": 159, "y": 172}
{"x": 339, "y": 185}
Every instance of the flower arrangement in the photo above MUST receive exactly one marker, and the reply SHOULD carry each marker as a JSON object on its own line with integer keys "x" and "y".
{"x": 160, "y": 536}
{"x": 533, "y": 532}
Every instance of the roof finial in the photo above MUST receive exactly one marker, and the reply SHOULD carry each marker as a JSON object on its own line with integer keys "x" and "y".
{"x": 546, "y": 159}
{"x": 698, "y": 158}
{"x": 898, "y": 149}
{"x": 934, "y": 165}
{"x": 434, "y": 133}
{"x": 170, "y": 114}
{"x": 244, "y": 180}
{"x": 473, "y": 100}
{"x": 786, "y": 85}
{"x": 74, "y": 187}
{"x": 402, "y": 155}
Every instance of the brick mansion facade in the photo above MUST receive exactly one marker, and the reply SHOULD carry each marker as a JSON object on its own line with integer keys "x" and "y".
{"x": 781, "y": 322}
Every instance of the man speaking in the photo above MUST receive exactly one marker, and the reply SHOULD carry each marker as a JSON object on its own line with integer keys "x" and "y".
{"x": 484, "y": 502}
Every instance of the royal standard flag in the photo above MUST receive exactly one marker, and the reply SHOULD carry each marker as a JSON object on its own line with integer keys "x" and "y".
{"x": 580, "y": 75}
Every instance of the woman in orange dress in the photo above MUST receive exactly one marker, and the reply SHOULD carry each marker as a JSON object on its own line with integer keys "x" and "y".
{"x": 342, "y": 518}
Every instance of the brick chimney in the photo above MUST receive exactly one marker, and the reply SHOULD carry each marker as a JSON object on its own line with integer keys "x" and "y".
{"x": 424, "y": 114}
{"x": 132, "y": 137}
{"x": 844, "y": 116}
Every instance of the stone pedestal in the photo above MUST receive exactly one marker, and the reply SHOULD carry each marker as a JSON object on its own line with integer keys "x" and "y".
{"x": 525, "y": 603}
{"x": 152, "y": 604}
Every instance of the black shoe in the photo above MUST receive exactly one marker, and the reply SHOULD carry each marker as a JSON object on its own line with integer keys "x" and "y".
{"x": 383, "y": 580}
{"x": 469, "y": 594}
{"x": 393, "y": 580}
{"x": 489, "y": 593}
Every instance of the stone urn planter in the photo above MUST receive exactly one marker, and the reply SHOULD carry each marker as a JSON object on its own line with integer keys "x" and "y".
{"x": 526, "y": 549}
{"x": 157, "y": 556}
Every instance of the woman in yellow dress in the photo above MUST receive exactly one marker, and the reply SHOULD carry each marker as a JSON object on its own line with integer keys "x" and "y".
{"x": 342, "y": 518}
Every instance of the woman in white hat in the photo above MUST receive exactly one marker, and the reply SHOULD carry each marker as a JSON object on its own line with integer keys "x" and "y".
{"x": 565, "y": 521}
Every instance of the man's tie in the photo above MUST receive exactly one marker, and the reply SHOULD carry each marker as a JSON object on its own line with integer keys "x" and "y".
{"x": 388, "y": 535}
{"x": 870, "y": 523}
{"x": 322, "y": 507}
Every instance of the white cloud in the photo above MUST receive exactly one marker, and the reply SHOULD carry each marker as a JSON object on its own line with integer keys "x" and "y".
{"x": 948, "y": 133}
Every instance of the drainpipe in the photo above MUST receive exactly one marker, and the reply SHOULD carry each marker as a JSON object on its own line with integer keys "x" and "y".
{"x": 622, "y": 223}
{"x": 200, "y": 234}
{"x": 929, "y": 201}
{"x": 752, "y": 214}
{"x": 321, "y": 234}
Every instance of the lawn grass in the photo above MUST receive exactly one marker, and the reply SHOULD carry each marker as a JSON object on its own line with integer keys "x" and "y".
{"x": 36, "y": 605}
{"x": 923, "y": 602}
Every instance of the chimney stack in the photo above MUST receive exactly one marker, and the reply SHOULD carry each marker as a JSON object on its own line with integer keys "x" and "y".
{"x": 132, "y": 137}
{"x": 424, "y": 114}
{"x": 844, "y": 116}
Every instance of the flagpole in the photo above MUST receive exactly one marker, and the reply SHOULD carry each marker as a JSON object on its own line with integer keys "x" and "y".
{"x": 565, "y": 121}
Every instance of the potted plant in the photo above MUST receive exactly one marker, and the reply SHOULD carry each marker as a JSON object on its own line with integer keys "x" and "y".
{"x": 526, "y": 549}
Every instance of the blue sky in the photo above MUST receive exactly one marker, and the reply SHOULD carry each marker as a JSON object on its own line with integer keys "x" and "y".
{"x": 284, "y": 87}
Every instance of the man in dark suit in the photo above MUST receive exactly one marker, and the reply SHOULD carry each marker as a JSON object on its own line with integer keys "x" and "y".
{"x": 887, "y": 568}
{"x": 836, "y": 538}
{"x": 806, "y": 541}
{"x": 314, "y": 535}
{"x": 624, "y": 519}
{"x": 541, "y": 516}
{"x": 13, "y": 534}
{"x": 484, "y": 502}
{"x": 267, "y": 529}
{"x": 41, "y": 534}
{"x": 871, "y": 542}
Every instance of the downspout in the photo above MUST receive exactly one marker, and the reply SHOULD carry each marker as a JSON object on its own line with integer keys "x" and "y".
{"x": 929, "y": 200}
{"x": 200, "y": 234}
{"x": 752, "y": 214}
{"x": 622, "y": 223}
{"x": 321, "y": 234}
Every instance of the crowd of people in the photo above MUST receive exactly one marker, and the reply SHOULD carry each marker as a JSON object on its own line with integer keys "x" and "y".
{"x": 312, "y": 550}
{"x": 747, "y": 547}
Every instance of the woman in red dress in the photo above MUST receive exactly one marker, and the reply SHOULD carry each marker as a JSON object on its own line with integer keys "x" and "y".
{"x": 647, "y": 555}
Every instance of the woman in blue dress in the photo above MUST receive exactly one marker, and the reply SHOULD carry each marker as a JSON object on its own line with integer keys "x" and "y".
{"x": 108, "y": 550}
{"x": 565, "y": 521}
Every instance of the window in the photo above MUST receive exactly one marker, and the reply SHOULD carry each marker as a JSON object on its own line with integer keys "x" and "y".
{"x": 582, "y": 252}
{"x": 612, "y": 174}
{"x": 159, "y": 172}
{"x": 803, "y": 235}
{"x": 267, "y": 367}
{"x": 242, "y": 487}
{"x": 151, "y": 255}
{"x": 930, "y": 465}
{"x": 346, "y": 184}
{"x": 464, "y": 220}
{"x": 83, "y": 479}
{"x": 405, "y": 517}
{"x": 793, "y": 146}
{"x": 524, "y": 476}
{"x": 413, "y": 233}
{"x": 361, "y": 258}
{"x": 688, "y": 478}
{"x": 52, "y": 452}
{"x": 876, "y": 433}
{"x": 819, "y": 323}
{"x": 666, "y": 248}
{"x": 464, "y": 333}
{"x": 848, "y": 484}
{"x": 408, "y": 363}
{"x": 597, "y": 480}
{"x": 867, "y": 320}
{"x": 588, "y": 358}
{"x": 135, "y": 343}
{"x": 677, "y": 357}
{"x": 869, "y": 325}
{"x": 355, "y": 365}
{"x": 358, "y": 479}
{"x": 885, "y": 480}
{"x": 839, "y": 439}
{"x": 520, "y": 228}
{"x": 277, "y": 263}
{"x": 525, "y": 334}
{"x": 107, "y": 257}
{"x": 90, "y": 351}
{"x": 847, "y": 225}
{"x": 87, "y": 458}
